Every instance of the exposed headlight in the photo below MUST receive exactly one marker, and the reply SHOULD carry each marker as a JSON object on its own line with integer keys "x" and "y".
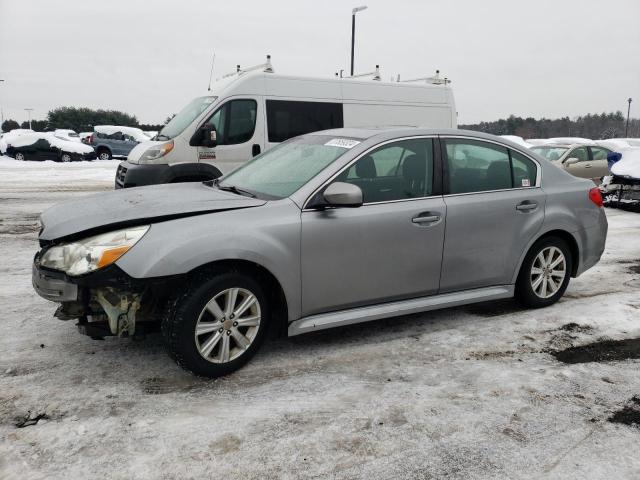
{"x": 84, "y": 256}
{"x": 157, "y": 151}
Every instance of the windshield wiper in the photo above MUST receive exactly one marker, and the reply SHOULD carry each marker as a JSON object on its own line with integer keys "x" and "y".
{"x": 234, "y": 189}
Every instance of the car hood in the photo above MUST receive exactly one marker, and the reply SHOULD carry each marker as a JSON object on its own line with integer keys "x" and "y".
{"x": 136, "y": 206}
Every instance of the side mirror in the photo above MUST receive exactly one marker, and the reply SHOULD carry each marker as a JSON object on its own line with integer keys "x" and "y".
{"x": 205, "y": 136}
{"x": 341, "y": 194}
{"x": 571, "y": 161}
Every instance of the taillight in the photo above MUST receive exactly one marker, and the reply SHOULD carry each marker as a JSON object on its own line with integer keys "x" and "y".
{"x": 595, "y": 196}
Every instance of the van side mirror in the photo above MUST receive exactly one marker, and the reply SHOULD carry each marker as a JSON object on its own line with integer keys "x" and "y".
{"x": 342, "y": 194}
{"x": 205, "y": 136}
{"x": 571, "y": 161}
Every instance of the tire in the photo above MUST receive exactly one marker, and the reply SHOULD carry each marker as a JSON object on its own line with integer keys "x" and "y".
{"x": 204, "y": 354}
{"x": 20, "y": 157}
{"x": 65, "y": 157}
{"x": 538, "y": 285}
{"x": 104, "y": 154}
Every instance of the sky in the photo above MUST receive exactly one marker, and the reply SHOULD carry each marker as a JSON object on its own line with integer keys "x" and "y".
{"x": 538, "y": 58}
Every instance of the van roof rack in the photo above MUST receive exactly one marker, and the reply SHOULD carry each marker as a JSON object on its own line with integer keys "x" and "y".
{"x": 265, "y": 67}
{"x": 375, "y": 73}
{"x": 435, "y": 80}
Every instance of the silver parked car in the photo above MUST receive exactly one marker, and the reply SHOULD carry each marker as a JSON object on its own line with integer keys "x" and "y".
{"x": 327, "y": 229}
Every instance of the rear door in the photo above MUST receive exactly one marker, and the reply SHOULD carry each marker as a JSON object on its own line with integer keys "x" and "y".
{"x": 494, "y": 208}
{"x": 599, "y": 166}
{"x": 390, "y": 248}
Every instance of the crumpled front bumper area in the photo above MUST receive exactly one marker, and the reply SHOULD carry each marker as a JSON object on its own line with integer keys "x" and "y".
{"x": 52, "y": 285}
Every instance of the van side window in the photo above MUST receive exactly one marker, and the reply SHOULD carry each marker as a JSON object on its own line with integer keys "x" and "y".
{"x": 476, "y": 166}
{"x": 235, "y": 121}
{"x": 287, "y": 119}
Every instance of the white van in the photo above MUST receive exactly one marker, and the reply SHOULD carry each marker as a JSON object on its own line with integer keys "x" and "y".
{"x": 251, "y": 111}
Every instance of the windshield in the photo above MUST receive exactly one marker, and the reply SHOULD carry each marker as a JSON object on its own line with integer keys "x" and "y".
{"x": 187, "y": 115}
{"x": 549, "y": 152}
{"x": 279, "y": 172}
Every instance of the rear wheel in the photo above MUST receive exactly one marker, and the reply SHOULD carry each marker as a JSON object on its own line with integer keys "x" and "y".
{"x": 217, "y": 325}
{"x": 20, "y": 157}
{"x": 104, "y": 154}
{"x": 545, "y": 273}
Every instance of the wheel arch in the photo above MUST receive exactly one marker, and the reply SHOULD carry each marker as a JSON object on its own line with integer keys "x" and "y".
{"x": 565, "y": 235}
{"x": 102, "y": 147}
{"x": 273, "y": 288}
{"x": 193, "y": 172}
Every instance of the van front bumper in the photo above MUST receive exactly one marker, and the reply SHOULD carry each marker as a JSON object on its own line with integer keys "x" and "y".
{"x": 133, "y": 175}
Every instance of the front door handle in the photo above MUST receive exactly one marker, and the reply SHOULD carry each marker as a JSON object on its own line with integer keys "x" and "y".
{"x": 526, "y": 206}
{"x": 425, "y": 218}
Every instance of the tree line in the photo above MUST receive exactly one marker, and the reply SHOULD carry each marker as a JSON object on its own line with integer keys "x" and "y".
{"x": 80, "y": 120}
{"x": 595, "y": 126}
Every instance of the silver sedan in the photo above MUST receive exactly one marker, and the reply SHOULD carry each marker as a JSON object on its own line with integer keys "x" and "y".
{"x": 327, "y": 229}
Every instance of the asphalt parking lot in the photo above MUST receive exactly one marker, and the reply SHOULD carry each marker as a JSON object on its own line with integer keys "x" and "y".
{"x": 483, "y": 391}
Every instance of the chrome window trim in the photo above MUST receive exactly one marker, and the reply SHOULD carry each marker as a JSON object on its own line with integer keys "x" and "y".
{"x": 346, "y": 167}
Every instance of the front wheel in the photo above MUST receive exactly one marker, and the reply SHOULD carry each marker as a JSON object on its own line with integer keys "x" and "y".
{"x": 20, "y": 157}
{"x": 545, "y": 273}
{"x": 104, "y": 154}
{"x": 65, "y": 157}
{"x": 217, "y": 325}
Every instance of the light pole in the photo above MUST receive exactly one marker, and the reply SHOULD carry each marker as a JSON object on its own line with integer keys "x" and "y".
{"x": 29, "y": 110}
{"x": 626, "y": 131}
{"x": 353, "y": 31}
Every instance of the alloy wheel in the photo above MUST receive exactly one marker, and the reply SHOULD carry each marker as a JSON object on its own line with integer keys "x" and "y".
{"x": 65, "y": 157}
{"x": 103, "y": 156}
{"x": 20, "y": 157}
{"x": 227, "y": 325}
{"x": 548, "y": 271}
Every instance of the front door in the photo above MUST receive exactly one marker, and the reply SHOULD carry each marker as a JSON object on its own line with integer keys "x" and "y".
{"x": 240, "y": 134}
{"x": 494, "y": 209}
{"x": 390, "y": 248}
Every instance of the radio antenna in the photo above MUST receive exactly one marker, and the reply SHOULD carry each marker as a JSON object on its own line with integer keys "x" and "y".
{"x": 211, "y": 73}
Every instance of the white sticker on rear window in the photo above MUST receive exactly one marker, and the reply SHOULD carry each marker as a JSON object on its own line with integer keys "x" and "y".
{"x": 525, "y": 182}
{"x": 342, "y": 142}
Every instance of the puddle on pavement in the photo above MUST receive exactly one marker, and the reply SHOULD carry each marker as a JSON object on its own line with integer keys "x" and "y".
{"x": 629, "y": 414}
{"x": 602, "y": 351}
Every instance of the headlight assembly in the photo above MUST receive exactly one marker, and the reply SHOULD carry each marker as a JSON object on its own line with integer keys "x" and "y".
{"x": 157, "y": 151}
{"x": 84, "y": 256}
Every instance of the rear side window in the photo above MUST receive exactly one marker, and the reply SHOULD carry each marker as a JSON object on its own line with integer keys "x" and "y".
{"x": 287, "y": 119}
{"x": 477, "y": 166}
{"x": 524, "y": 170}
{"x": 599, "y": 153}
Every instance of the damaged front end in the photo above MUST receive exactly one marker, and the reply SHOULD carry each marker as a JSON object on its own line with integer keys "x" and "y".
{"x": 621, "y": 191}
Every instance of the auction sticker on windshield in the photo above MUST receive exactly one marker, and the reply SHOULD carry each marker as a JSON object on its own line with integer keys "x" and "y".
{"x": 342, "y": 142}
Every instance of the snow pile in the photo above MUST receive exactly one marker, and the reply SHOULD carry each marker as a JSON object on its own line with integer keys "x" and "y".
{"x": 134, "y": 132}
{"x": 629, "y": 164}
{"x": 516, "y": 139}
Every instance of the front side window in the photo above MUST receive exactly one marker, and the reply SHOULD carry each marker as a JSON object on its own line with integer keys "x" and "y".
{"x": 476, "y": 166}
{"x": 580, "y": 153}
{"x": 287, "y": 119}
{"x": 235, "y": 121}
{"x": 396, "y": 171}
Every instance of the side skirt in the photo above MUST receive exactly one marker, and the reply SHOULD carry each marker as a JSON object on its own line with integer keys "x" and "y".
{"x": 395, "y": 309}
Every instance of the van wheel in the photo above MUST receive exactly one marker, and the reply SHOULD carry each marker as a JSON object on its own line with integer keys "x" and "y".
{"x": 217, "y": 325}
{"x": 104, "y": 154}
{"x": 545, "y": 273}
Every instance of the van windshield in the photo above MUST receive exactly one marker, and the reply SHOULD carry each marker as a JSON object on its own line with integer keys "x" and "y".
{"x": 280, "y": 171}
{"x": 187, "y": 115}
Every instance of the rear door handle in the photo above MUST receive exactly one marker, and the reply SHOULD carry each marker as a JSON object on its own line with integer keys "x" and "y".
{"x": 526, "y": 206}
{"x": 425, "y": 218}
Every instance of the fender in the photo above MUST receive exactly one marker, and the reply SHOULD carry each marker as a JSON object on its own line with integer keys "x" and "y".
{"x": 203, "y": 171}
